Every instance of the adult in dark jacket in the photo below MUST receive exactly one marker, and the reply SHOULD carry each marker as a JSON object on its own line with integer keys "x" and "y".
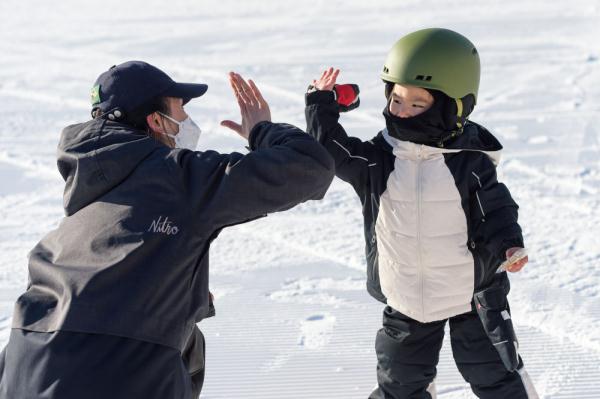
{"x": 115, "y": 292}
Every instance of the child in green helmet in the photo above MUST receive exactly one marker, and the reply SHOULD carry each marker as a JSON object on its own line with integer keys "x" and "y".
{"x": 440, "y": 230}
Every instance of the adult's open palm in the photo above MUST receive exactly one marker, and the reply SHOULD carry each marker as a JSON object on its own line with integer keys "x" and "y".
{"x": 253, "y": 107}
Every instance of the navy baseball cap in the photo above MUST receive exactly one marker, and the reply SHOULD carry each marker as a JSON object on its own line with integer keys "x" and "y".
{"x": 129, "y": 87}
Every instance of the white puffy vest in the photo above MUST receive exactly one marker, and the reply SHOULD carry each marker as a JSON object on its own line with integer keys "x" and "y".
{"x": 426, "y": 270}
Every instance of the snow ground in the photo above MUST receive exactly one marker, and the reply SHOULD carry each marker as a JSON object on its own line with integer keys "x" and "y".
{"x": 293, "y": 317}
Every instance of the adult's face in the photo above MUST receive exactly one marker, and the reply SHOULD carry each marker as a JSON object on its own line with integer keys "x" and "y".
{"x": 161, "y": 127}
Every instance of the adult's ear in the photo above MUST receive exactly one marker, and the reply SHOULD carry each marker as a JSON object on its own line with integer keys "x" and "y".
{"x": 153, "y": 122}
{"x": 157, "y": 129}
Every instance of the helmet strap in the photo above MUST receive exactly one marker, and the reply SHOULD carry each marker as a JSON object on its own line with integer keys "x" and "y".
{"x": 459, "y": 111}
{"x": 459, "y": 124}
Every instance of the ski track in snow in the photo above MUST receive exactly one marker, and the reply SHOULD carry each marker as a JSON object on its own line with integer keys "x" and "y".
{"x": 293, "y": 316}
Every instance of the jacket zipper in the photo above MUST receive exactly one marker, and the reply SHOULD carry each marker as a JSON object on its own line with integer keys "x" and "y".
{"x": 375, "y": 214}
{"x": 477, "y": 195}
{"x": 419, "y": 154}
{"x": 480, "y": 206}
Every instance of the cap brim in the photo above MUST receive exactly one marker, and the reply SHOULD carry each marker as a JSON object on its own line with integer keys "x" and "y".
{"x": 187, "y": 91}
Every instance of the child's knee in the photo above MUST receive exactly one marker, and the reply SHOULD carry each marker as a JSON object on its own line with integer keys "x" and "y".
{"x": 483, "y": 375}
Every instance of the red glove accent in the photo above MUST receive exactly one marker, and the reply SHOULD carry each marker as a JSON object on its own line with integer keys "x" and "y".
{"x": 346, "y": 94}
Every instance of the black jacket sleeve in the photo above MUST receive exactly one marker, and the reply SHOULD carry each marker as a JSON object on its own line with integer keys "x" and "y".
{"x": 496, "y": 213}
{"x": 351, "y": 155}
{"x": 284, "y": 168}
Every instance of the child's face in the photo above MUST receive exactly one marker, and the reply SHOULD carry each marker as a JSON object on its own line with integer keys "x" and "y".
{"x": 409, "y": 101}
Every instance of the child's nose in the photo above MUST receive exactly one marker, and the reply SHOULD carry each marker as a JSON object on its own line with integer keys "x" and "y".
{"x": 404, "y": 112}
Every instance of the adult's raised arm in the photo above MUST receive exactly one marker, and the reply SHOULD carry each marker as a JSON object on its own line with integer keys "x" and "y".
{"x": 285, "y": 166}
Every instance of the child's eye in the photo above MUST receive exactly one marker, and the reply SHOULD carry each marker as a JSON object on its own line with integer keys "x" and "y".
{"x": 418, "y": 106}
{"x": 397, "y": 101}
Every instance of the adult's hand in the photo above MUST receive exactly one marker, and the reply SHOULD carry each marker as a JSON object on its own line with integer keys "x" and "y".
{"x": 327, "y": 79}
{"x": 253, "y": 107}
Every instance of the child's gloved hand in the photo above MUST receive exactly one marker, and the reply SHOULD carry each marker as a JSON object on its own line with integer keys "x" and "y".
{"x": 516, "y": 258}
{"x": 346, "y": 95}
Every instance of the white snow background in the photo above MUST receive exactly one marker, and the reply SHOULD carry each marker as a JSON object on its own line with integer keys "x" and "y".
{"x": 293, "y": 316}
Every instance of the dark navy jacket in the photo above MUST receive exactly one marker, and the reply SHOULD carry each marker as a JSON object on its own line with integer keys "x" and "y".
{"x": 131, "y": 257}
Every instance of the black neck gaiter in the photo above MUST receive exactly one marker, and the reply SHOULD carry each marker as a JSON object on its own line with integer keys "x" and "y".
{"x": 433, "y": 127}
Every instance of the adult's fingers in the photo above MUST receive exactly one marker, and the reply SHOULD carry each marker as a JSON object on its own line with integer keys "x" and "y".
{"x": 236, "y": 92}
{"x": 257, "y": 94}
{"x": 232, "y": 125}
{"x": 239, "y": 88}
{"x": 246, "y": 91}
{"x": 237, "y": 81}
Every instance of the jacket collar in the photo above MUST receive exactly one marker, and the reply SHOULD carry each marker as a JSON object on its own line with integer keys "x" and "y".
{"x": 474, "y": 138}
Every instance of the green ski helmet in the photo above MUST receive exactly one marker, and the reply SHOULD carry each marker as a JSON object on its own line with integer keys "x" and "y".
{"x": 435, "y": 58}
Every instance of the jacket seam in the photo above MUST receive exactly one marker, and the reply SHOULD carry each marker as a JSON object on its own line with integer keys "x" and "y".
{"x": 350, "y": 154}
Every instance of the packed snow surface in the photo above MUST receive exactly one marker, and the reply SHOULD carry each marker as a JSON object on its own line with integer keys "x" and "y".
{"x": 293, "y": 316}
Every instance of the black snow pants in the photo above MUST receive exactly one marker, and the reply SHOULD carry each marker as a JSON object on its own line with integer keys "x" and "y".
{"x": 71, "y": 365}
{"x": 408, "y": 353}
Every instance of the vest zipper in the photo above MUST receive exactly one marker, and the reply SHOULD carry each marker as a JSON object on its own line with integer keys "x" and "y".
{"x": 421, "y": 278}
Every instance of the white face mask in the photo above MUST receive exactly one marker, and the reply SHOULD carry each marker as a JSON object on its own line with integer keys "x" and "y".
{"x": 189, "y": 133}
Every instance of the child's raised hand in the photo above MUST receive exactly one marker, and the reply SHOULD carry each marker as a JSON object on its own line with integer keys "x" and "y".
{"x": 518, "y": 263}
{"x": 327, "y": 79}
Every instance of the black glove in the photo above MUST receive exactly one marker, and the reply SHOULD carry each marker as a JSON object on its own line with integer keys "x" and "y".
{"x": 492, "y": 308}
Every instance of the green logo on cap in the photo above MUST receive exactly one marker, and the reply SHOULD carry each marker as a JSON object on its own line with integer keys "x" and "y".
{"x": 95, "y": 95}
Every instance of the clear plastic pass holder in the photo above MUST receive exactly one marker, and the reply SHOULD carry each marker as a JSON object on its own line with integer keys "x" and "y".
{"x": 517, "y": 256}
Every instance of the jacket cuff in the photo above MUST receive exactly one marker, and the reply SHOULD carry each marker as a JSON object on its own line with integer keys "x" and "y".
{"x": 320, "y": 97}
{"x": 255, "y": 133}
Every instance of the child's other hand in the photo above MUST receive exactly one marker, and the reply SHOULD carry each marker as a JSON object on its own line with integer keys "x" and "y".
{"x": 327, "y": 79}
{"x": 518, "y": 263}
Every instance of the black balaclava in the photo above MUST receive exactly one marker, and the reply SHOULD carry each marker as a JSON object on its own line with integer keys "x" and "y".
{"x": 433, "y": 127}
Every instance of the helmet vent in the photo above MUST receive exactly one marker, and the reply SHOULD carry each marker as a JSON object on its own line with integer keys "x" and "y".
{"x": 386, "y": 69}
{"x": 423, "y": 77}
